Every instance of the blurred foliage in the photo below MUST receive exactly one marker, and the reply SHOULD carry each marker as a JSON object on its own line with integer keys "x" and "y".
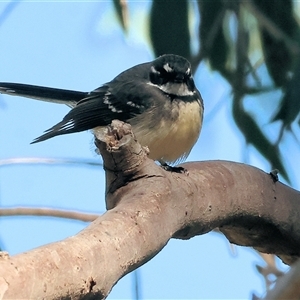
{"x": 214, "y": 46}
{"x": 169, "y": 27}
{"x": 276, "y": 51}
{"x": 225, "y": 39}
{"x": 121, "y": 9}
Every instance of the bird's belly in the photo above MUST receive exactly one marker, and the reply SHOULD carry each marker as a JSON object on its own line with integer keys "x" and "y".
{"x": 172, "y": 139}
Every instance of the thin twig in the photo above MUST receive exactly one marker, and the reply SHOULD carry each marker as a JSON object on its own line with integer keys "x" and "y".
{"x": 46, "y": 160}
{"x": 49, "y": 212}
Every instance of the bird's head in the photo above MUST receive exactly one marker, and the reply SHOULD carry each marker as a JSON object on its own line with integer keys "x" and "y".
{"x": 172, "y": 74}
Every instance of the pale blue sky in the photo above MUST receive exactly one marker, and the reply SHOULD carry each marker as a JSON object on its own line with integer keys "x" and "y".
{"x": 79, "y": 45}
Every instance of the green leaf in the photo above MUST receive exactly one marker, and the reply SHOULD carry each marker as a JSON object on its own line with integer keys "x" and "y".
{"x": 278, "y": 56}
{"x": 169, "y": 27}
{"x": 255, "y": 136}
{"x": 290, "y": 103}
{"x": 122, "y": 12}
{"x": 214, "y": 46}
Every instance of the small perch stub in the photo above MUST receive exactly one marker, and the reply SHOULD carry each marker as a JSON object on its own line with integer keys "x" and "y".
{"x": 124, "y": 159}
{"x": 117, "y": 145}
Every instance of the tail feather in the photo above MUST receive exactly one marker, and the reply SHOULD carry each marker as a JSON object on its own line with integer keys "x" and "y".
{"x": 63, "y": 127}
{"x": 67, "y": 97}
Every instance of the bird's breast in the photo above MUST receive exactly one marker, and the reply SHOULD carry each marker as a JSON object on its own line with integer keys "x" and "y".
{"x": 171, "y": 133}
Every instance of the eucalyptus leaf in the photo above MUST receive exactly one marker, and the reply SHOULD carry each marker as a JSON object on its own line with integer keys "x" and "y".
{"x": 122, "y": 12}
{"x": 290, "y": 103}
{"x": 213, "y": 42}
{"x": 275, "y": 38}
{"x": 256, "y": 137}
{"x": 169, "y": 27}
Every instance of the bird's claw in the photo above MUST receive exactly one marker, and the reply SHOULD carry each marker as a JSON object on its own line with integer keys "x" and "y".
{"x": 169, "y": 168}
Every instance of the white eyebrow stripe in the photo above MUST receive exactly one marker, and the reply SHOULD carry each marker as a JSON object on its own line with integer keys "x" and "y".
{"x": 154, "y": 70}
{"x": 167, "y": 67}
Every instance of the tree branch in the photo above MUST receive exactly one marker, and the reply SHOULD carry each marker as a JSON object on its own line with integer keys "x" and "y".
{"x": 147, "y": 207}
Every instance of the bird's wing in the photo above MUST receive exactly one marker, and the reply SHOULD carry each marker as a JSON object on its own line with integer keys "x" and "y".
{"x": 100, "y": 107}
{"x": 67, "y": 97}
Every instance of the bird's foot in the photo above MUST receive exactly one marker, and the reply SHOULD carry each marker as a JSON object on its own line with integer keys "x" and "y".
{"x": 169, "y": 168}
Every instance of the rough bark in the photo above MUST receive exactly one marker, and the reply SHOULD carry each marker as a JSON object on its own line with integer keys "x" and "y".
{"x": 148, "y": 206}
